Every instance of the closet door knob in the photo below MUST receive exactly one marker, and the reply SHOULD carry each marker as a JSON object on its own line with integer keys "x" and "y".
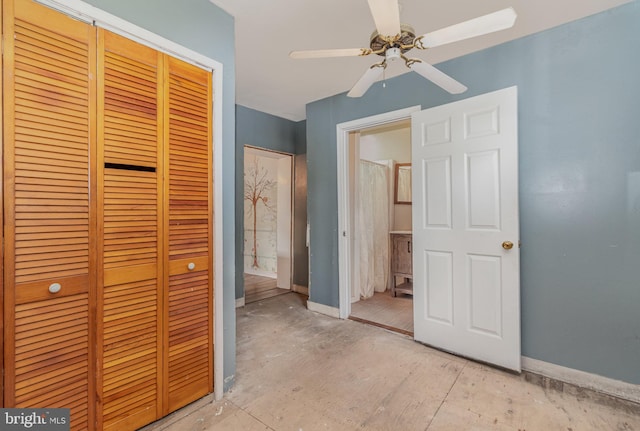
{"x": 54, "y": 287}
{"x": 191, "y": 266}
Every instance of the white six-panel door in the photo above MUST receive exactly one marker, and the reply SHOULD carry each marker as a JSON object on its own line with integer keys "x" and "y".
{"x": 465, "y": 215}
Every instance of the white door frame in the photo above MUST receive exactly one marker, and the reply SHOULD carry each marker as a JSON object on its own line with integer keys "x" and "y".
{"x": 345, "y": 201}
{"x": 284, "y": 262}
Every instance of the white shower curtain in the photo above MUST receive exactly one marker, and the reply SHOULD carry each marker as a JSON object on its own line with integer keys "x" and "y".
{"x": 373, "y": 228}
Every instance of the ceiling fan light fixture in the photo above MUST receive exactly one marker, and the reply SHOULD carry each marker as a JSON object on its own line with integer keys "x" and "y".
{"x": 392, "y": 54}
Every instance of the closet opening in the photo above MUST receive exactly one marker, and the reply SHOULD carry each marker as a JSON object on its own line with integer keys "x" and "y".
{"x": 268, "y": 221}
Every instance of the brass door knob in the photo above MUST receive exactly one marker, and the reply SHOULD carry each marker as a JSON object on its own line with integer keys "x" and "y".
{"x": 507, "y": 245}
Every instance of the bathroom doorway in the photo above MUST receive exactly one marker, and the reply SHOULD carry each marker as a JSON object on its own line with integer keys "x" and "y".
{"x": 381, "y": 293}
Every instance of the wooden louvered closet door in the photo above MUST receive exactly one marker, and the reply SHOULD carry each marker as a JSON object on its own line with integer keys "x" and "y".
{"x": 188, "y": 234}
{"x": 130, "y": 211}
{"x": 108, "y": 196}
{"x": 49, "y": 108}
{"x": 155, "y": 226}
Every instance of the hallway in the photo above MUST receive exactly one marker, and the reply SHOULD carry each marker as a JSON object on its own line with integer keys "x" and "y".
{"x": 298, "y": 370}
{"x": 257, "y": 288}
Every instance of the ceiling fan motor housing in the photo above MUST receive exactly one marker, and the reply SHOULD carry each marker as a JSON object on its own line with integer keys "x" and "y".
{"x": 381, "y": 42}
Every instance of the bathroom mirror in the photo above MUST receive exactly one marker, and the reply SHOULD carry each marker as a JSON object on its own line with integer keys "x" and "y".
{"x": 402, "y": 193}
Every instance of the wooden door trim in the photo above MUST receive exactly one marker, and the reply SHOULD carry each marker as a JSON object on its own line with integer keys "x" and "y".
{"x": 2, "y": 219}
{"x": 8, "y": 64}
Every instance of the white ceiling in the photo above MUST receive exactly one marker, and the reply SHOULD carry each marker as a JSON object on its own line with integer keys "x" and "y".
{"x": 267, "y": 30}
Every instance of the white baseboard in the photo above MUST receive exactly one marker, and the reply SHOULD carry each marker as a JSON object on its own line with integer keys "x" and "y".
{"x": 616, "y": 388}
{"x": 300, "y": 289}
{"x": 240, "y": 302}
{"x": 323, "y": 309}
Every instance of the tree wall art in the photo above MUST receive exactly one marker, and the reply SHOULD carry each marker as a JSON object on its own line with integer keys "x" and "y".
{"x": 260, "y": 211}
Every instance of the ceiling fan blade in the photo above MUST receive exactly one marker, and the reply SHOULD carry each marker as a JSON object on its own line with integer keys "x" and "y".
{"x": 485, "y": 24}
{"x": 386, "y": 15}
{"x": 322, "y": 53}
{"x": 439, "y": 78}
{"x": 366, "y": 81}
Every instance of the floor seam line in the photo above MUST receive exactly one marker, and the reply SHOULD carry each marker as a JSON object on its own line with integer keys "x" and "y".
{"x": 446, "y": 396}
{"x": 252, "y": 415}
{"x": 388, "y": 396}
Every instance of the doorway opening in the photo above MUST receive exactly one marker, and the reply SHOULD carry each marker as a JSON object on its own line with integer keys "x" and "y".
{"x": 267, "y": 223}
{"x": 376, "y": 224}
{"x": 382, "y": 290}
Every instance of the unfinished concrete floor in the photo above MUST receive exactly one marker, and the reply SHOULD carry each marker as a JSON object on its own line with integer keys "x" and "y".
{"x": 298, "y": 370}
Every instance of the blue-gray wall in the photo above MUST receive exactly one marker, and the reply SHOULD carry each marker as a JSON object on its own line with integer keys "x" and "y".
{"x": 301, "y": 137}
{"x": 208, "y": 30}
{"x": 260, "y": 130}
{"x": 579, "y": 164}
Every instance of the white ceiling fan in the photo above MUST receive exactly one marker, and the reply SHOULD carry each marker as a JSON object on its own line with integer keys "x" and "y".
{"x": 392, "y": 40}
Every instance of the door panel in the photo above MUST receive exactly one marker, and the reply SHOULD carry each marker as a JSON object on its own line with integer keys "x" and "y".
{"x": 485, "y": 289}
{"x": 437, "y": 201}
{"x": 189, "y": 209}
{"x": 130, "y": 211}
{"x": 466, "y": 285}
{"x": 439, "y": 286}
{"x": 284, "y": 223}
{"x": 51, "y": 351}
{"x": 49, "y": 61}
{"x": 483, "y": 190}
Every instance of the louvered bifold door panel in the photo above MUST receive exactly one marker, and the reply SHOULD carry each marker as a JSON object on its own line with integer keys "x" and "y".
{"x": 189, "y": 233}
{"x": 130, "y": 212}
{"x": 49, "y": 135}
